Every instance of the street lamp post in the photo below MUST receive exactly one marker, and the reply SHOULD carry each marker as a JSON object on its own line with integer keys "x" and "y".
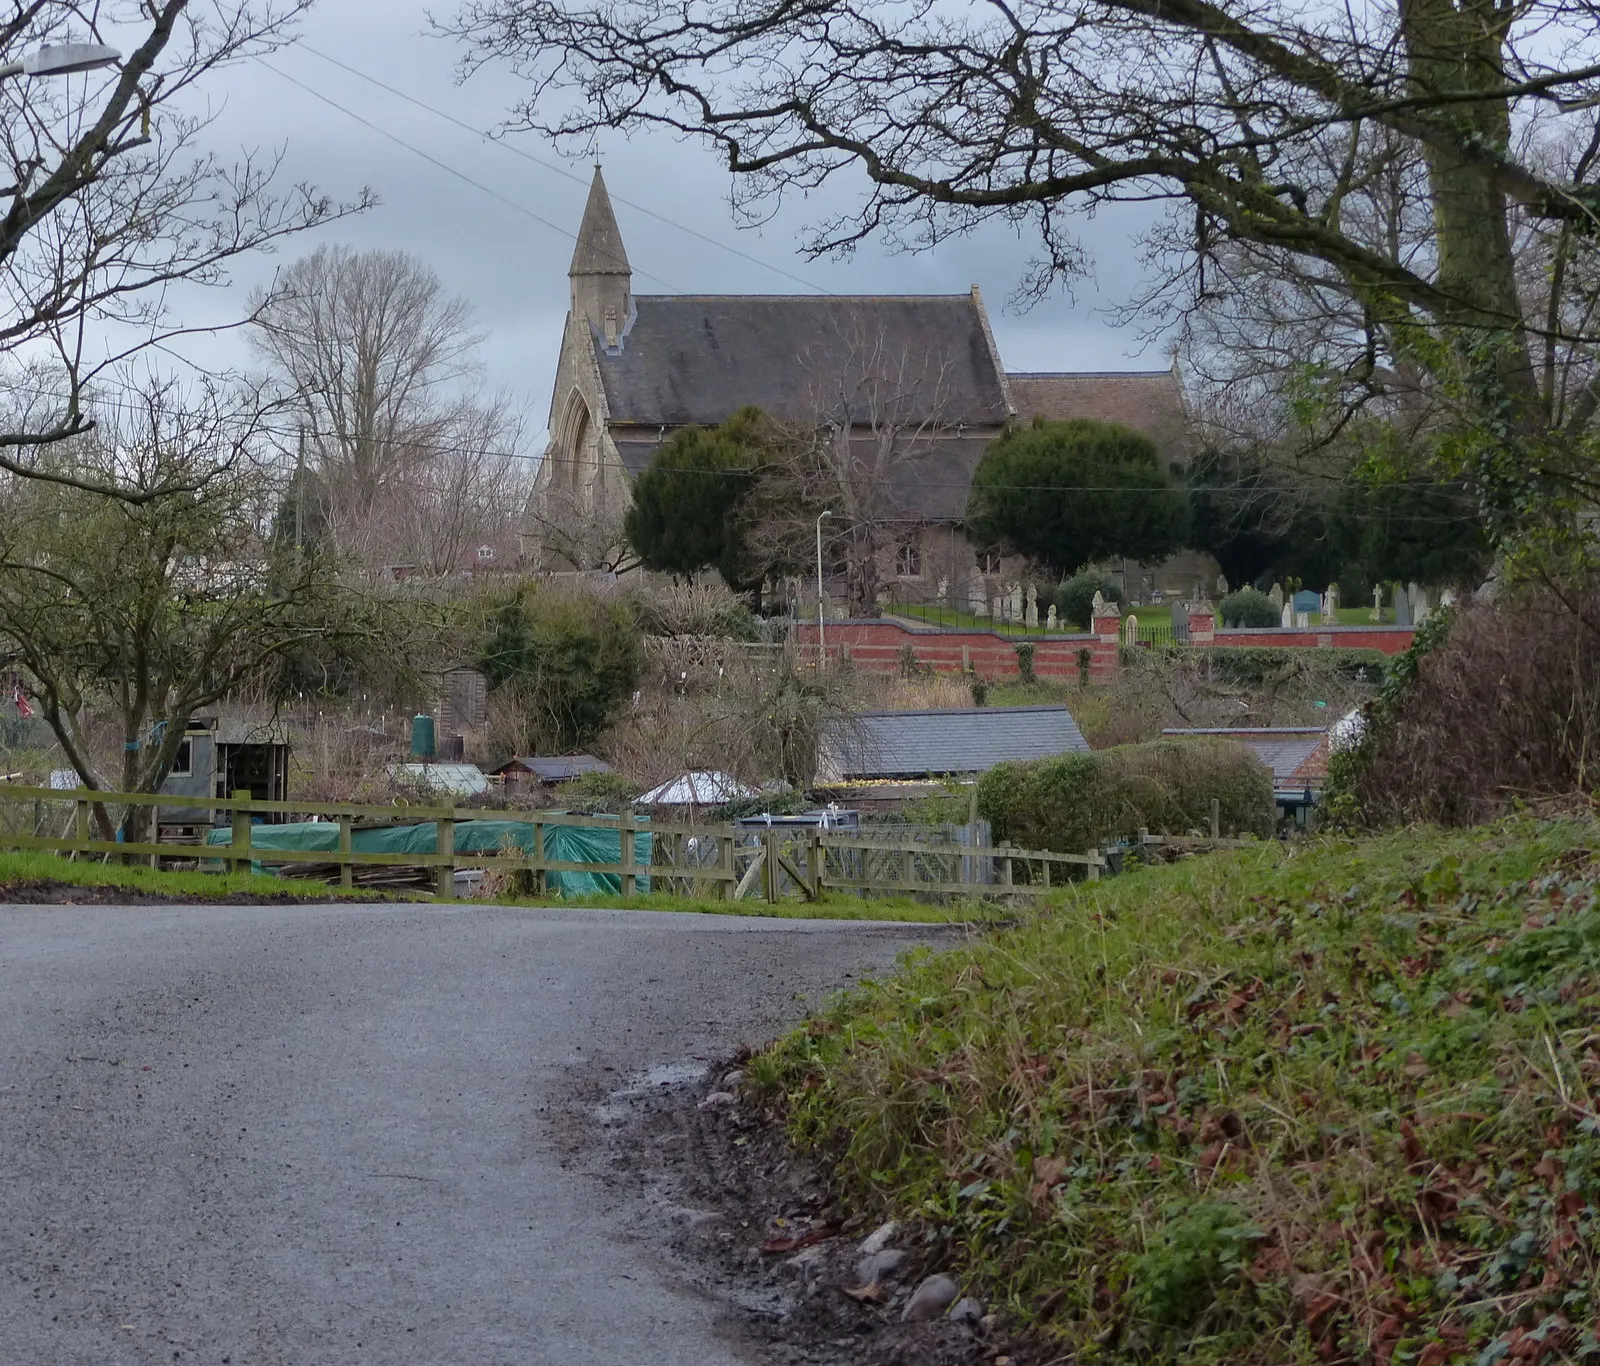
{"x": 62, "y": 59}
{"x": 822, "y": 639}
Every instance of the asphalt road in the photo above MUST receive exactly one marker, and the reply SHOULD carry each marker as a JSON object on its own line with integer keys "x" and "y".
{"x": 310, "y": 1135}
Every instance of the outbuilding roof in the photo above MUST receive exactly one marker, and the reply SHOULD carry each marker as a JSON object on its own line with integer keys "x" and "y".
{"x": 699, "y": 788}
{"x": 927, "y": 743}
{"x": 554, "y": 770}
{"x": 1297, "y": 755}
{"x": 1149, "y": 401}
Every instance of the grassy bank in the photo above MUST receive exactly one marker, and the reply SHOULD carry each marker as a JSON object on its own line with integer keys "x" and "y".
{"x": 42, "y": 869}
{"x": 1331, "y": 1104}
{"x": 36, "y": 870}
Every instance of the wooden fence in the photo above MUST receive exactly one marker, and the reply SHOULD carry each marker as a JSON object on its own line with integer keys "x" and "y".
{"x": 717, "y": 861}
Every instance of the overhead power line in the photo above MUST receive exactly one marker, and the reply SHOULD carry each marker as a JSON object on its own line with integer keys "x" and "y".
{"x": 442, "y": 165}
{"x": 560, "y": 170}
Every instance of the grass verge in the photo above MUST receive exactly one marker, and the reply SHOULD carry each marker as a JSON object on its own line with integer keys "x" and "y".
{"x": 1326, "y": 1104}
{"x": 42, "y": 869}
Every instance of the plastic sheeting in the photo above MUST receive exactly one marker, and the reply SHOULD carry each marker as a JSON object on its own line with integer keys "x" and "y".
{"x": 562, "y": 844}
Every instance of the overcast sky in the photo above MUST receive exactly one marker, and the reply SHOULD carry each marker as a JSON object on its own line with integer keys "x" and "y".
{"x": 513, "y": 267}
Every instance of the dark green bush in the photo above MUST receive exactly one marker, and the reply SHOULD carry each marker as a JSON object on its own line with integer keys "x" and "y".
{"x": 1075, "y": 598}
{"x": 1079, "y": 801}
{"x": 569, "y": 657}
{"x": 1249, "y": 607}
{"x": 1025, "y": 662}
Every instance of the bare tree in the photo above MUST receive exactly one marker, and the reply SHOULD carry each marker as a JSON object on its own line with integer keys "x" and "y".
{"x": 863, "y": 456}
{"x": 1256, "y": 123}
{"x": 410, "y": 458}
{"x": 148, "y": 609}
{"x": 114, "y": 203}
{"x": 572, "y": 528}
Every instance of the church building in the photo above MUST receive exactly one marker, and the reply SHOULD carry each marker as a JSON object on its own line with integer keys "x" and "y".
{"x": 635, "y": 367}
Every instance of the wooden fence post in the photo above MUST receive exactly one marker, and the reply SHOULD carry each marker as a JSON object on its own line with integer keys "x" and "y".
{"x": 444, "y": 842}
{"x": 726, "y": 864}
{"x": 814, "y": 857}
{"x": 625, "y": 847}
{"x": 1095, "y": 858}
{"x": 771, "y": 868}
{"x": 540, "y": 877}
{"x": 239, "y": 842}
{"x": 347, "y": 871}
{"x": 80, "y": 825}
{"x": 1005, "y": 864}
{"x": 1216, "y": 818}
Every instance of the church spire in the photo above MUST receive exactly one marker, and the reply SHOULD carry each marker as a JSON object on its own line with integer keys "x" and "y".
{"x": 600, "y": 275}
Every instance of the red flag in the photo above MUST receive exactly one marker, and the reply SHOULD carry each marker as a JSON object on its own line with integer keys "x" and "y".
{"x": 24, "y": 708}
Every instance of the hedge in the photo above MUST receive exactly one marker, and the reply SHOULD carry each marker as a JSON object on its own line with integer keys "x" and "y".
{"x": 1077, "y": 802}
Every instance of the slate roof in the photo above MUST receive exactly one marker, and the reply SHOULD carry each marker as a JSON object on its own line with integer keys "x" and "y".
{"x": 699, "y": 357}
{"x": 555, "y": 770}
{"x": 1149, "y": 401}
{"x": 931, "y": 483}
{"x": 1297, "y": 755}
{"x": 916, "y": 744}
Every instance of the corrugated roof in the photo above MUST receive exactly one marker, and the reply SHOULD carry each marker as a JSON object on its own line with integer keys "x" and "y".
{"x": 699, "y": 357}
{"x": 459, "y": 780}
{"x": 1149, "y": 401}
{"x": 1297, "y": 755}
{"x": 906, "y": 744}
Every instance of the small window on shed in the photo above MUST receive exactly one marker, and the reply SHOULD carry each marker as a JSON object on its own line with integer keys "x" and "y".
{"x": 485, "y": 553}
{"x": 908, "y": 560}
{"x": 183, "y": 763}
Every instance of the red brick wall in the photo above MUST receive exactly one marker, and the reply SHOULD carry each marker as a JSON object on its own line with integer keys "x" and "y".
{"x": 875, "y": 646}
{"x": 1391, "y": 640}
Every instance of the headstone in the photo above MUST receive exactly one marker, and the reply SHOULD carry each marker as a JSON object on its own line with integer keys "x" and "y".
{"x": 1447, "y": 598}
{"x": 1302, "y": 619}
{"x": 1098, "y": 604}
{"x": 1031, "y": 616}
{"x": 1333, "y": 604}
{"x": 1222, "y": 586}
{"x": 1016, "y": 602}
{"x": 1377, "y": 602}
{"x": 1286, "y": 614}
{"x": 1130, "y": 629}
{"x": 1277, "y": 597}
{"x": 1419, "y": 604}
{"x": 997, "y": 609}
{"x": 1051, "y": 621}
{"x": 977, "y": 603}
{"x": 1402, "y": 607}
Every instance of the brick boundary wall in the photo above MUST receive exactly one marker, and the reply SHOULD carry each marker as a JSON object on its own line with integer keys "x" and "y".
{"x": 875, "y": 646}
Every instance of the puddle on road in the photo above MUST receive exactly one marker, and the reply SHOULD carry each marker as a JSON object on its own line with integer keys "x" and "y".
{"x": 615, "y": 1107}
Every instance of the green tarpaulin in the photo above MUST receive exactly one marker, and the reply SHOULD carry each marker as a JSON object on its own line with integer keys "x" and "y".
{"x": 562, "y": 844}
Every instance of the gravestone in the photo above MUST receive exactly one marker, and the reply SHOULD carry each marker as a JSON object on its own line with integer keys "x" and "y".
{"x": 1097, "y": 604}
{"x": 1286, "y": 614}
{"x": 1016, "y": 603}
{"x": 1377, "y": 602}
{"x": 1402, "y": 607}
{"x": 1277, "y": 598}
{"x": 1130, "y": 629}
{"x": 977, "y": 603}
{"x": 1447, "y": 598}
{"x": 1031, "y": 616}
{"x": 1419, "y": 603}
{"x": 1302, "y": 619}
{"x": 997, "y": 609}
{"x": 1222, "y": 586}
{"x": 1051, "y": 621}
{"x": 1330, "y": 610}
